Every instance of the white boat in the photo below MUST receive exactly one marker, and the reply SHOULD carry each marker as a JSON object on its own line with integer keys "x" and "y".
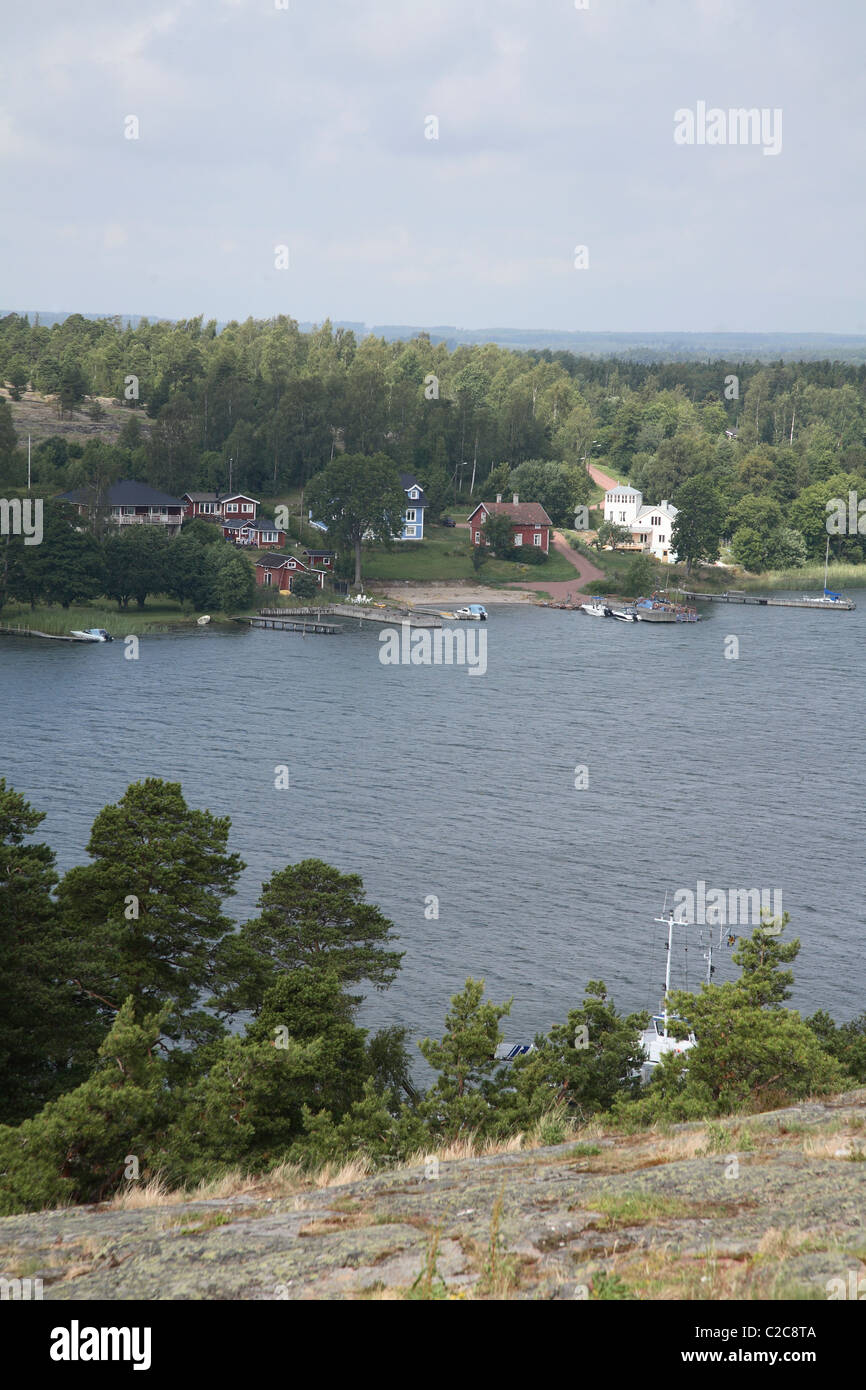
{"x": 828, "y": 599}
{"x": 472, "y": 613}
{"x": 625, "y": 615}
{"x": 203, "y": 620}
{"x": 597, "y": 609}
{"x": 91, "y": 634}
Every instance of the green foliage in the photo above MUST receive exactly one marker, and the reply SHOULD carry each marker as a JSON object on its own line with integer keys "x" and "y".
{"x": 700, "y": 521}
{"x": 142, "y": 920}
{"x": 496, "y": 534}
{"x": 470, "y": 1083}
{"x": 640, "y": 577}
{"x": 847, "y": 1042}
{"x": 584, "y": 1063}
{"x": 305, "y": 586}
{"x": 48, "y": 1035}
{"x": 135, "y": 561}
{"x": 357, "y": 496}
{"x": 78, "y": 1147}
{"x": 374, "y": 1126}
{"x": 313, "y": 918}
{"x": 751, "y": 1052}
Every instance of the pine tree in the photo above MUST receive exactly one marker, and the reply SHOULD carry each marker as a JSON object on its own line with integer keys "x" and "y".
{"x": 144, "y": 918}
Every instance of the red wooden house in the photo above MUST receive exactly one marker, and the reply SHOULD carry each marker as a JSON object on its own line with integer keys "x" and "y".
{"x": 530, "y": 524}
{"x": 214, "y": 506}
{"x": 260, "y": 535}
{"x": 280, "y": 571}
{"x": 321, "y": 559}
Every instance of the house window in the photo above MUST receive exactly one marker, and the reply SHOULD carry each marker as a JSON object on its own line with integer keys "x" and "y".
{"x": 414, "y": 493}
{"x": 128, "y": 511}
{"x": 536, "y": 539}
{"x": 267, "y": 577}
{"x": 247, "y": 507}
{"x": 410, "y": 514}
{"x": 518, "y": 538}
{"x": 269, "y": 537}
{"x": 477, "y": 537}
{"x": 231, "y": 506}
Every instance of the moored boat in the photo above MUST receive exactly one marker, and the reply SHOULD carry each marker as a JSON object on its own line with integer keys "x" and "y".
{"x": 91, "y": 634}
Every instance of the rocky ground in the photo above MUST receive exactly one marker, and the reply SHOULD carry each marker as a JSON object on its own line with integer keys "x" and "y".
{"x": 769, "y": 1207}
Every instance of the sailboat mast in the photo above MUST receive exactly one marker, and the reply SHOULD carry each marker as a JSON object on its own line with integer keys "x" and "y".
{"x": 668, "y": 968}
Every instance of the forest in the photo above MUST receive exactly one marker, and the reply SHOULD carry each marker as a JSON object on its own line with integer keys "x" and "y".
{"x": 145, "y": 1035}
{"x": 266, "y": 407}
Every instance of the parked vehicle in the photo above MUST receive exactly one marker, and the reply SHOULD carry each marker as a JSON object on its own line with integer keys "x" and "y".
{"x": 447, "y": 521}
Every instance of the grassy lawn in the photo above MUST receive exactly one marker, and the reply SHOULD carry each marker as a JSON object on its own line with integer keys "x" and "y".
{"x": 158, "y": 615}
{"x": 445, "y": 555}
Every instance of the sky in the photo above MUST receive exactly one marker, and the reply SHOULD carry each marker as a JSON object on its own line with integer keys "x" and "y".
{"x": 308, "y": 125}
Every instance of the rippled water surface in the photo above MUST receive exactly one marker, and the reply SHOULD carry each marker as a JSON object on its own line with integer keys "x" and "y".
{"x": 741, "y": 773}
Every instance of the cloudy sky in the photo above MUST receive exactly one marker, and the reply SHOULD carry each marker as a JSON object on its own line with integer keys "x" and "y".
{"x": 307, "y": 127}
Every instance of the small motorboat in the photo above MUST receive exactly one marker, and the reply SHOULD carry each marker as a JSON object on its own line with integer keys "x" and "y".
{"x": 596, "y": 609}
{"x": 625, "y": 615}
{"x": 472, "y": 613}
{"x": 92, "y": 634}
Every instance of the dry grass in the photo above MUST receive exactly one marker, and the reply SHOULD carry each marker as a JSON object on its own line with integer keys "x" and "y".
{"x": 840, "y": 1145}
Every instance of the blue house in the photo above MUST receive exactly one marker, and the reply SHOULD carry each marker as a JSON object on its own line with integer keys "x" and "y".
{"x": 416, "y": 502}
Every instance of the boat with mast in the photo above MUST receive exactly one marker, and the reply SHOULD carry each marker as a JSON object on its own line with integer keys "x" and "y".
{"x": 659, "y": 1038}
{"x": 828, "y": 599}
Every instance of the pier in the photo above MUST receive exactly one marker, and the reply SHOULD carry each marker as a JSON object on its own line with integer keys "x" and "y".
{"x": 299, "y": 624}
{"x": 350, "y": 611}
{"x": 842, "y": 605}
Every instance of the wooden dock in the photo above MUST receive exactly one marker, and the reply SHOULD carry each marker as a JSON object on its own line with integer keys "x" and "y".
{"x": 844, "y": 605}
{"x": 303, "y": 625}
{"x": 350, "y": 611}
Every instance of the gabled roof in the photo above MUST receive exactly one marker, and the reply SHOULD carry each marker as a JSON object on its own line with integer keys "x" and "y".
{"x": 275, "y": 561}
{"x": 518, "y": 513}
{"x": 648, "y": 508}
{"x": 235, "y": 497}
{"x": 201, "y": 496}
{"x": 313, "y": 550}
{"x": 624, "y": 489}
{"x": 407, "y": 482}
{"x": 126, "y": 493}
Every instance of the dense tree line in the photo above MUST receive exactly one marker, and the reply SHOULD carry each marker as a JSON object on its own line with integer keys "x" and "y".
{"x": 73, "y": 565}
{"x": 125, "y": 984}
{"x": 270, "y": 407}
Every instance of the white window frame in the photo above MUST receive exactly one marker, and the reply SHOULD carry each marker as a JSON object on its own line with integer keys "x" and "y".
{"x": 536, "y": 539}
{"x": 518, "y": 538}
{"x": 231, "y": 506}
{"x": 411, "y": 514}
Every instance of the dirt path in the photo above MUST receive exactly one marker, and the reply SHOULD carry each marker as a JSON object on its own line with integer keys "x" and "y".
{"x": 561, "y": 589}
{"x": 603, "y": 480}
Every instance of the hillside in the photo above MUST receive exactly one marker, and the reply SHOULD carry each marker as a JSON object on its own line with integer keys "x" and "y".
{"x": 648, "y": 1216}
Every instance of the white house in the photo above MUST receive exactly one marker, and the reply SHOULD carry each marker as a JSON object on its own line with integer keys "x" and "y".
{"x": 650, "y": 525}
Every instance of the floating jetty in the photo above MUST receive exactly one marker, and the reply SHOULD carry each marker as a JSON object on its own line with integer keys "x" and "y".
{"x": 348, "y": 612}
{"x": 815, "y": 605}
{"x": 303, "y": 625}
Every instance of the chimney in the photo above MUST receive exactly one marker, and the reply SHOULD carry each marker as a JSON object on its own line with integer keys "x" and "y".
{"x": 516, "y": 499}
{"x": 499, "y": 496}
{"x": 664, "y": 503}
